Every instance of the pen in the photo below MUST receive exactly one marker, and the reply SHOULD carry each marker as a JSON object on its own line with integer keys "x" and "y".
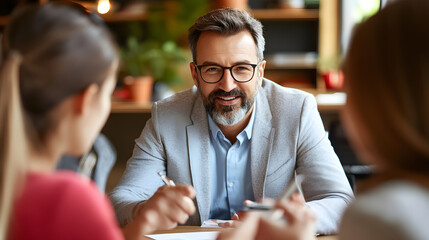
{"x": 166, "y": 180}
{"x": 270, "y": 212}
{"x": 290, "y": 189}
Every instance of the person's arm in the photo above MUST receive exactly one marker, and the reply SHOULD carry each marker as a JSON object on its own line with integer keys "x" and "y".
{"x": 324, "y": 186}
{"x": 140, "y": 180}
{"x": 169, "y": 206}
{"x": 141, "y": 200}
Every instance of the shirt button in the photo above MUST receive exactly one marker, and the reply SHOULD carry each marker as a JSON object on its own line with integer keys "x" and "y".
{"x": 231, "y": 184}
{"x": 232, "y": 150}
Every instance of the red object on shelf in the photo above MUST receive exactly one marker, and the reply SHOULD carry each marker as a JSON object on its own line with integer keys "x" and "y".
{"x": 334, "y": 79}
{"x": 122, "y": 93}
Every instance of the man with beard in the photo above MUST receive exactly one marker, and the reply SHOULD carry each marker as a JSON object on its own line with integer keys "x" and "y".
{"x": 235, "y": 136}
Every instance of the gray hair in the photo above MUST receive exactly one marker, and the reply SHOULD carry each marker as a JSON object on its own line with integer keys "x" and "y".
{"x": 227, "y": 21}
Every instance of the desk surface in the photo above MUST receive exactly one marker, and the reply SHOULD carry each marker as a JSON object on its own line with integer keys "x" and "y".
{"x": 182, "y": 229}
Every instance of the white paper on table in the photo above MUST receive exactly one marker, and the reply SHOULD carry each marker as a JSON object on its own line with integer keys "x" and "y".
{"x": 185, "y": 236}
{"x": 213, "y": 223}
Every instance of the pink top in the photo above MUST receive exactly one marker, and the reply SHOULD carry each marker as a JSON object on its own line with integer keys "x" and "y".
{"x": 63, "y": 205}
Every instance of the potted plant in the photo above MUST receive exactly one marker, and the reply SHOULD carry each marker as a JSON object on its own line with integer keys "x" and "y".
{"x": 146, "y": 62}
{"x": 159, "y": 54}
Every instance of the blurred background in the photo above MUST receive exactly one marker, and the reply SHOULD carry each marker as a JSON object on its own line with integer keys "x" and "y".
{"x": 305, "y": 43}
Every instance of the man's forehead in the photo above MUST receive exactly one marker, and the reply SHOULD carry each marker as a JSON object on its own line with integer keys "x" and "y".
{"x": 240, "y": 45}
{"x": 226, "y": 35}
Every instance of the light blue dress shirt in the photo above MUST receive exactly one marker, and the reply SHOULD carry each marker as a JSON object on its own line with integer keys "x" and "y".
{"x": 230, "y": 176}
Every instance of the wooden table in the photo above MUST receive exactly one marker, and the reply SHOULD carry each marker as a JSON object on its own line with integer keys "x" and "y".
{"x": 183, "y": 229}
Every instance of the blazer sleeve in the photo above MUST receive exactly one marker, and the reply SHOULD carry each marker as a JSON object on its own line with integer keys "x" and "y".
{"x": 324, "y": 184}
{"x": 140, "y": 180}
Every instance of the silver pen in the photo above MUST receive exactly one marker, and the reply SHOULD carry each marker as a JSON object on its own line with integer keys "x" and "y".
{"x": 268, "y": 211}
{"x": 166, "y": 179}
{"x": 287, "y": 193}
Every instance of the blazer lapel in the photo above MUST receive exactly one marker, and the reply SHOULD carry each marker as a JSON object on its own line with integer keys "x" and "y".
{"x": 261, "y": 144}
{"x": 198, "y": 148}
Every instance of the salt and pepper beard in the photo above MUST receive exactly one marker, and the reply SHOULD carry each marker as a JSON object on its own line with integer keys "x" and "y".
{"x": 226, "y": 116}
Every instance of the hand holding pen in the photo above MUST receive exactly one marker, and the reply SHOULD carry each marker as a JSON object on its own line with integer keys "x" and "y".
{"x": 264, "y": 219}
{"x": 300, "y": 223}
{"x": 169, "y": 206}
{"x": 268, "y": 210}
{"x": 166, "y": 180}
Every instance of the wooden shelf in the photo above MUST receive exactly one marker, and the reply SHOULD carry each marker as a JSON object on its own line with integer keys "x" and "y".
{"x": 261, "y": 14}
{"x": 124, "y": 17}
{"x": 271, "y": 66}
{"x": 133, "y": 107}
{"x": 130, "y": 107}
{"x": 113, "y": 17}
{"x": 330, "y": 107}
{"x": 285, "y": 14}
{"x": 4, "y": 20}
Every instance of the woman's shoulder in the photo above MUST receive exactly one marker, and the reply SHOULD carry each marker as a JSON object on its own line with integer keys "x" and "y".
{"x": 61, "y": 189}
{"x": 62, "y": 204}
{"x": 63, "y": 179}
{"x": 402, "y": 196}
{"x": 394, "y": 210}
{"x": 69, "y": 181}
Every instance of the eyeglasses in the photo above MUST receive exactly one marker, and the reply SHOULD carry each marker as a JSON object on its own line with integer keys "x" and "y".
{"x": 213, "y": 73}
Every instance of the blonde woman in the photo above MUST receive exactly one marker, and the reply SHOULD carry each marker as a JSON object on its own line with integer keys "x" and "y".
{"x": 387, "y": 120}
{"x": 58, "y": 72}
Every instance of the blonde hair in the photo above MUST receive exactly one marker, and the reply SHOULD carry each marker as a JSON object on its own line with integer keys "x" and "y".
{"x": 387, "y": 76}
{"x": 12, "y": 139}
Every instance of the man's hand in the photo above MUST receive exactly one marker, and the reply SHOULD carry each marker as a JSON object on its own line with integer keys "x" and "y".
{"x": 169, "y": 206}
{"x": 233, "y": 223}
{"x": 300, "y": 223}
{"x": 238, "y": 216}
{"x": 244, "y": 229}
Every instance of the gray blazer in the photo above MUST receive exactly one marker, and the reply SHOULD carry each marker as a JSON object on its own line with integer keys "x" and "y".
{"x": 288, "y": 137}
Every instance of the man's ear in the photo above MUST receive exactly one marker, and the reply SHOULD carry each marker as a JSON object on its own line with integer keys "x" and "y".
{"x": 261, "y": 69}
{"x": 194, "y": 73}
{"x": 84, "y": 99}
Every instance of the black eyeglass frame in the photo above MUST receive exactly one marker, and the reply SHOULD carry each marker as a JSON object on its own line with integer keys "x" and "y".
{"x": 223, "y": 71}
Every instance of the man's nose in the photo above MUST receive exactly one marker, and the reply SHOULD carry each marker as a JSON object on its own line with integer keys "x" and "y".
{"x": 227, "y": 83}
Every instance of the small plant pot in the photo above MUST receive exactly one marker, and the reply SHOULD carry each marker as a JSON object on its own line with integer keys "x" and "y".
{"x": 140, "y": 88}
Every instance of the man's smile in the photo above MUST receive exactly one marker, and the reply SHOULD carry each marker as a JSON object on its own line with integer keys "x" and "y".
{"x": 228, "y": 100}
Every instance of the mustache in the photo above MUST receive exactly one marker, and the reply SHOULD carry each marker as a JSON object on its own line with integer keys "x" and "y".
{"x": 221, "y": 93}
